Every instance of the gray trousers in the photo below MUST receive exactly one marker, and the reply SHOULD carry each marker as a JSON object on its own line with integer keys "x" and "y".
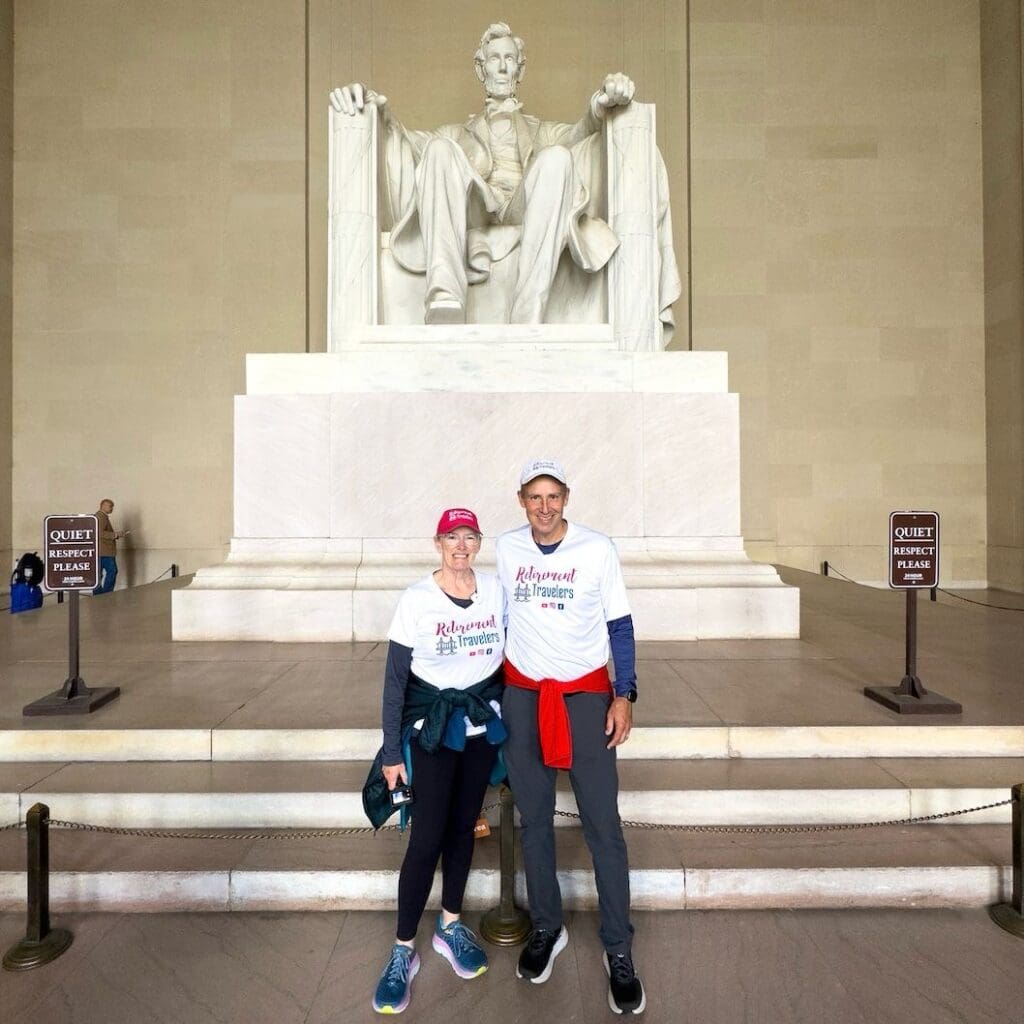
{"x": 595, "y": 782}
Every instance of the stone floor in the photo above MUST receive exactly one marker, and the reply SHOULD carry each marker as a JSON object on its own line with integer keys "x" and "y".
{"x": 734, "y": 967}
{"x": 770, "y": 966}
{"x": 851, "y": 636}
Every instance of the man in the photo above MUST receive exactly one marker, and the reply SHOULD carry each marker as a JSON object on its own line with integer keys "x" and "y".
{"x": 501, "y": 167}
{"x": 108, "y": 547}
{"x": 567, "y": 607}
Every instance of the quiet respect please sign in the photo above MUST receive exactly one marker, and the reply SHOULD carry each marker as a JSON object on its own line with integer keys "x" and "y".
{"x": 71, "y": 552}
{"x": 913, "y": 550}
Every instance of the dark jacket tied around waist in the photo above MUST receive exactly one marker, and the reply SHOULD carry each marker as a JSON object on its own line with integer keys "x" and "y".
{"x": 443, "y": 713}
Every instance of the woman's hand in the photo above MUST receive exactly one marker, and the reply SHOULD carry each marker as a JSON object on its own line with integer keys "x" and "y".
{"x": 392, "y": 773}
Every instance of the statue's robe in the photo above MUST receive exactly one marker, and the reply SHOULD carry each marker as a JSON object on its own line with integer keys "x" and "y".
{"x": 591, "y": 242}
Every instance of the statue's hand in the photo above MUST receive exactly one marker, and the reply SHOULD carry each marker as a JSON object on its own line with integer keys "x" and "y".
{"x": 617, "y": 91}
{"x": 352, "y": 99}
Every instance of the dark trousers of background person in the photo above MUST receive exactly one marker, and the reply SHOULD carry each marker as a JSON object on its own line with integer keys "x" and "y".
{"x": 595, "y": 781}
{"x": 108, "y": 574}
{"x": 448, "y": 790}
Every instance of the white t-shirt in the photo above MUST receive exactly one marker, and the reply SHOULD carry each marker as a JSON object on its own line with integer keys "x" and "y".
{"x": 452, "y": 647}
{"x": 559, "y": 605}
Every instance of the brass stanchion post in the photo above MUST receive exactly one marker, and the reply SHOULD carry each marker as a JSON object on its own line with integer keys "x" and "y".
{"x": 1011, "y": 915}
{"x": 506, "y": 924}
{"x": 41, "y": 944}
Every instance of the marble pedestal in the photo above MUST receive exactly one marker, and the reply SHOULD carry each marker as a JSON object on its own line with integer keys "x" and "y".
{"x": 344, "y": 460}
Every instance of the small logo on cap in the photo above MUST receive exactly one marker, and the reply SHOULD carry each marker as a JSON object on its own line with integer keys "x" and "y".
{"x": 542, "y": 467}
{"x": 452, "y": 518}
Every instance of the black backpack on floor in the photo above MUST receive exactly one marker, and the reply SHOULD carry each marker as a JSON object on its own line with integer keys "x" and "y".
{"x": 30, "y": 569}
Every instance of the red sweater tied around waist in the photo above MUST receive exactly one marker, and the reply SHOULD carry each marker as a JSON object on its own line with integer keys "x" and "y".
{"x": 552, "y": 714}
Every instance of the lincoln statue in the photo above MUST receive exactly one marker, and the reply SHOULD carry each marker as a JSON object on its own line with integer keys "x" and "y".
{"x": 446, "y": 188}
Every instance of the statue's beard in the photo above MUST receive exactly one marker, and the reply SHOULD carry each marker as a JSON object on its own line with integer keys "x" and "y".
{"x": 501, "y": 90}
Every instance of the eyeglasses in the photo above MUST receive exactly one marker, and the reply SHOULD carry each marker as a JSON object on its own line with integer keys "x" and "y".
{"x": 471, "y": 540}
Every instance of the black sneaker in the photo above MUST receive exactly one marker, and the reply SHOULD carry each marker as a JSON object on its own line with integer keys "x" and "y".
{"x": 537, "y": 959}
{"x": 625, "y": 989}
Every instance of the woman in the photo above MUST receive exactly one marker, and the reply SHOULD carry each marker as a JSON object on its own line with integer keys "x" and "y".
{"x": 442, "y": 728}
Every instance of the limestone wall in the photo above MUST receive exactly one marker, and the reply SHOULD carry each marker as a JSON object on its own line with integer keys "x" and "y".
{"x": 1004, "y": 295}
{"x": 834, "y": 181}
{"x": 6, "y": 198}
{"x": 837, "y": 256}
{"x": 159, "y": 236}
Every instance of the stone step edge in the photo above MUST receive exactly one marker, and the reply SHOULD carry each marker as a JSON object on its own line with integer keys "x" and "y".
{"x": 645, "y": 743}
{"x": 283, "y": 810}
{"x": 652, "y": 889}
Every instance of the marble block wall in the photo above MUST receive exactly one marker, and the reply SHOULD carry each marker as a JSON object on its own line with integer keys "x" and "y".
{"x": 1003, "y": 140}
{"x": 384, "y": 465}
{"x": 6, "y": 268}
{"x": 342, "y": 466}
{"x": 159, "y": 234}
{"x": 170, "y": 217}
{"x": 837, "y": 255}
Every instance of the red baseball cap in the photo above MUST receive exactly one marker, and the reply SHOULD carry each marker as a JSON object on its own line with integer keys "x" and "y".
{"x": 452, "y": 518}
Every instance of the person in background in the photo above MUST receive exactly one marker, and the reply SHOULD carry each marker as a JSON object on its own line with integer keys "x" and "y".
{"x": 442, "y": 729}
{"x": 108, "y": 547}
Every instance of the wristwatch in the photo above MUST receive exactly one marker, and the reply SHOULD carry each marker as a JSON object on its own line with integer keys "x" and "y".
{"x": 629, "y": 695}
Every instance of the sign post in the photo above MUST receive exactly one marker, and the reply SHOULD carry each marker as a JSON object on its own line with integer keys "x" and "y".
{"x": 72, "y": 561}
{"x": 913, "y": 566}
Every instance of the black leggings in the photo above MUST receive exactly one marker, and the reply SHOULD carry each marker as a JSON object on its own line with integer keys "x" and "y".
{"x": 449, "y": 789}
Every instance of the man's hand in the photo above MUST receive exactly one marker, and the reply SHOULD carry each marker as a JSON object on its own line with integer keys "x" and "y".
{"x": 352, "y": 99}
{"x": 392, "y": 773}
{"x": 617, "y": 91}
{"x": 618, "y": 722}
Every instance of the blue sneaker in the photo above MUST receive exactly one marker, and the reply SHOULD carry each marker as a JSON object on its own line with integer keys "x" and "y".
{"x": 395, "y": 985}
{"x": 458, "y": 945}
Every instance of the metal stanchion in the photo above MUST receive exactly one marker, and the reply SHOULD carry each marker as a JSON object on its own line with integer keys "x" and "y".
{"x": 41, "y": 944}
{"x": 506, "y": 924}
{"x": 174, "y": 570}
{"x": 1011, "y": 915}
{"x": 74, "y": 698}
{"x": 824, "y": 568}
{"x": 910, "y": 697}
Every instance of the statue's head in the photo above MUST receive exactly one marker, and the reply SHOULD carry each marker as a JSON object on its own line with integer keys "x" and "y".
{"x": 500, "y": 61}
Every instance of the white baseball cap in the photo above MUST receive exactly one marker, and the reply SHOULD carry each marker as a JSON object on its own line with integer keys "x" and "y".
{"x": 543, "y": 467}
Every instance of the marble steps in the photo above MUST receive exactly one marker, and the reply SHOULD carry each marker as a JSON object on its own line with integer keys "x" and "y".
{"x": 894, "y": 866}
{"x": 328, "y": 794}
{"x": 54, "y": 741}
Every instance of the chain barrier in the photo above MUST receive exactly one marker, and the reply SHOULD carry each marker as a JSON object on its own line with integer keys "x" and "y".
{"x": 169, "y": 568}
{"x": 16, "y": 824}
{"x": 968, "y": 600}
{"x": 328, "y": 833}
{"x": 842, "y": 575}
{"x": 284, "y": 833}
{"x": 164, "y": 833}
{"x": 785, "y": 829}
